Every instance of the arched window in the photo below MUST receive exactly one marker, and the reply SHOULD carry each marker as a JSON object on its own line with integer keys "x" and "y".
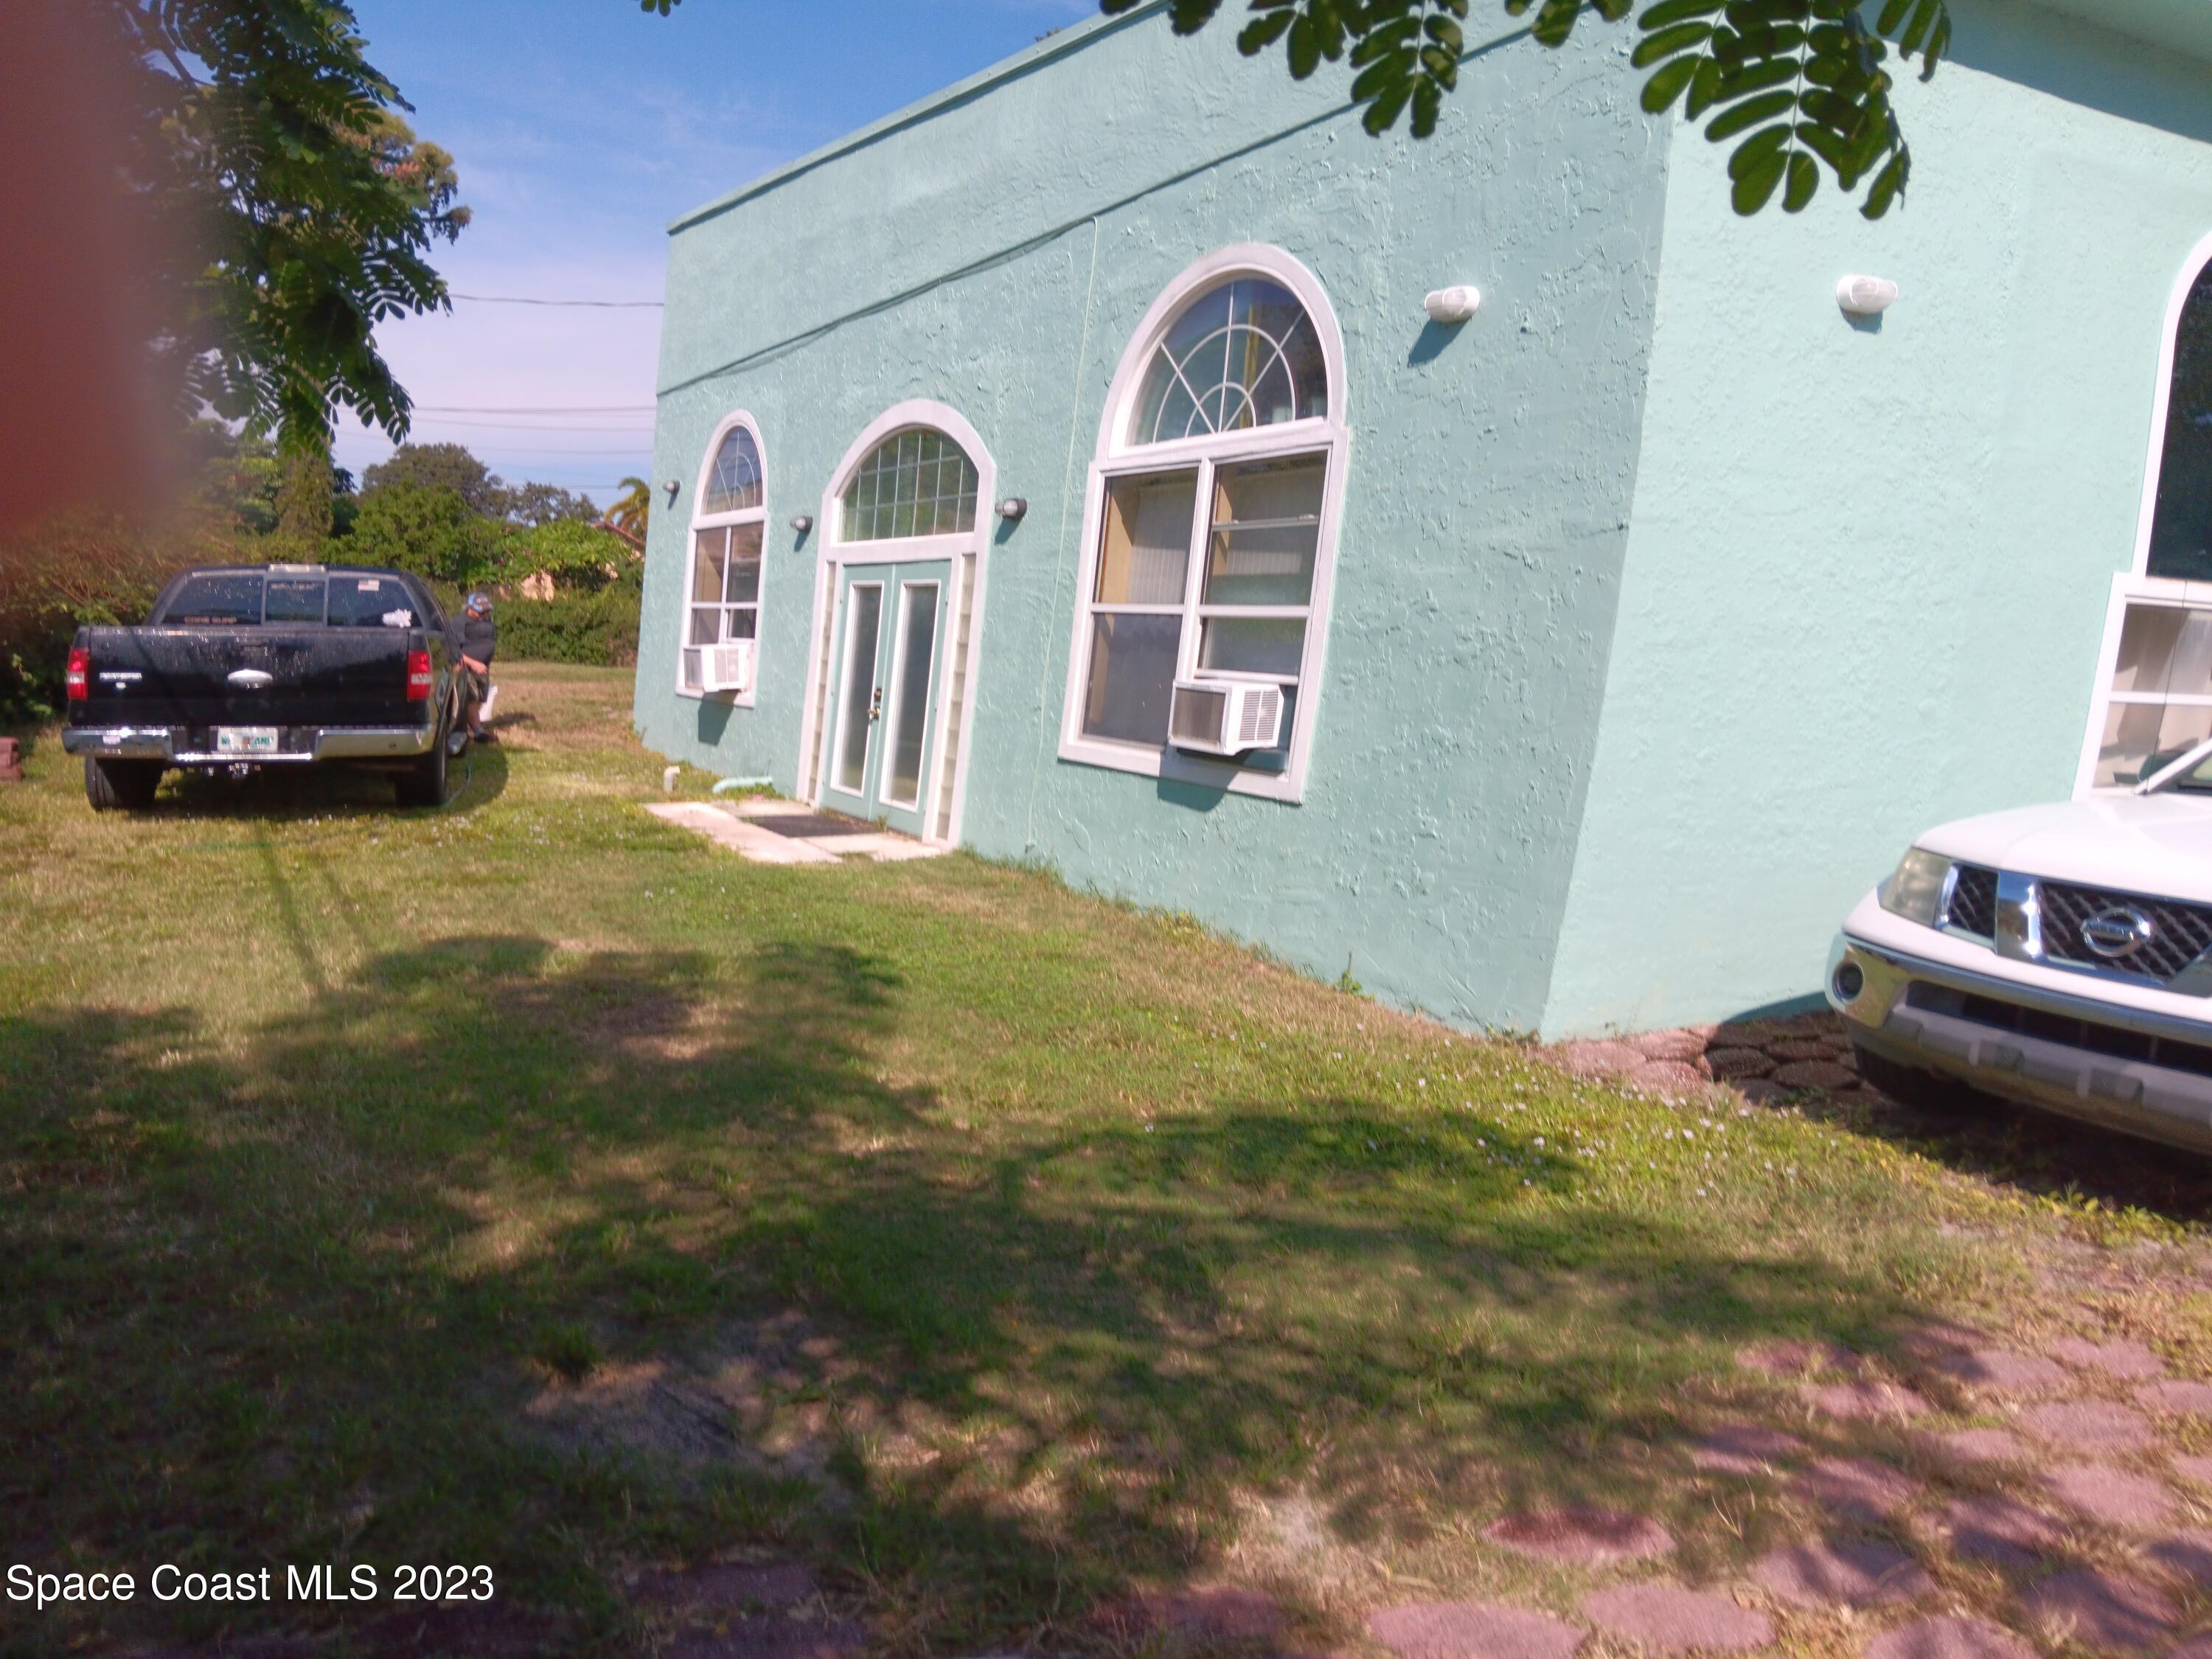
{"x": 1210, "y": 550}
{"x": 2180, "y": 544}
{"x": 722, "y": 591}
{"x": 1243, "y": 354}
{"x": 2154, "y": 700}
{"x": 915, "y": 483}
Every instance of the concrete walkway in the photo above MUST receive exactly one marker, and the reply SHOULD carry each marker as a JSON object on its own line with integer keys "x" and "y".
{"x": 768, "y": 830}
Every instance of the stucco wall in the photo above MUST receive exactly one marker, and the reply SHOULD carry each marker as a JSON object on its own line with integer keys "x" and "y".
{"x": 1867, "y": 577}
{"x": 996, "y": 255}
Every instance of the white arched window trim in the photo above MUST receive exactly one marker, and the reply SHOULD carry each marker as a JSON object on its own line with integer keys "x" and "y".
{"x": 2136, "y": 587}
{"x": 1116, "y": 458}
{"x": 968, "y": 550}
{"x": 702, "y": 520}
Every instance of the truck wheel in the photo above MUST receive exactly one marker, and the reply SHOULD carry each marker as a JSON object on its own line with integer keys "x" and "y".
{"x": 1910, "y": 1086}
{"x": 423, "y": 784}
{"x": 120, "y": 785}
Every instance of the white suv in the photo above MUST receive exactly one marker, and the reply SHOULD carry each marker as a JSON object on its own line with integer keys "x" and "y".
{"x": 2057, "y": 956}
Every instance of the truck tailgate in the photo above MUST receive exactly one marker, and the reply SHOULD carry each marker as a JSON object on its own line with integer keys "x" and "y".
{"x": 191, "y": 677}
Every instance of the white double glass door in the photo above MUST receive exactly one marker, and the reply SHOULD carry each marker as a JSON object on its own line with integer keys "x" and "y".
{"x": 887, "y": 668}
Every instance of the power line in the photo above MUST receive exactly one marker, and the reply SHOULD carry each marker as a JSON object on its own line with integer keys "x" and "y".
{"x": 598, "y": 305}
{"x": 535, "y": 409}
{"x": 527, "y": 426}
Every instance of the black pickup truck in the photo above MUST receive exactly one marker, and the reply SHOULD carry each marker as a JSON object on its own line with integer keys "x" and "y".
{"x": 280, "y": 665}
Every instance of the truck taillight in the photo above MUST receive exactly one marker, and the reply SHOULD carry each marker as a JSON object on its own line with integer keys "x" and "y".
{"x": 78, "y": 676}
{"x": 418, "y": 677}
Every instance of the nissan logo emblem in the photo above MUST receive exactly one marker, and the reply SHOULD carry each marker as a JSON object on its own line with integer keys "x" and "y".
{"x": 2118, "y": 931}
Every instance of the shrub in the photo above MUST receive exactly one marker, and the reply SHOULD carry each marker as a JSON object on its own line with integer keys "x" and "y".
{"x": 600, "y": 628}
{"x": 82, "y": 570}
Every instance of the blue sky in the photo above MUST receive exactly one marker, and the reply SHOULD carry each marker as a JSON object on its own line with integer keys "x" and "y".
{"x": 580, "y": 128}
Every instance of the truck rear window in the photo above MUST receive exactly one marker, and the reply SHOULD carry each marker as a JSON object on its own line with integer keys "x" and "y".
{"x": 222, "y": 601}
{"x": 248, "y": 599}
{"x": 292, "y": 599}
{"x": 371, "y": 602}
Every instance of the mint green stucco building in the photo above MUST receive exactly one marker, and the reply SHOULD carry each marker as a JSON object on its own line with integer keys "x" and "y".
{"x": 1600, "y": 649}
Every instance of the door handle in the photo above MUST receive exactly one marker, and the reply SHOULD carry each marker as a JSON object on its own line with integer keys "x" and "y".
{"x": 876, "y": 706}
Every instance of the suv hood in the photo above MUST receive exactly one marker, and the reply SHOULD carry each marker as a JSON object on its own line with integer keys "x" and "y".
{"x": 2157, "y": 845}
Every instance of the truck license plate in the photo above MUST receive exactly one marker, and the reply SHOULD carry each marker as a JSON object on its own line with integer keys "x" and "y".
{"x": 245, "y": 740}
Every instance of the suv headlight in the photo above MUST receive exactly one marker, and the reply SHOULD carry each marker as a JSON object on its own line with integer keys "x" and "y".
{"x": 1914, "y": 888}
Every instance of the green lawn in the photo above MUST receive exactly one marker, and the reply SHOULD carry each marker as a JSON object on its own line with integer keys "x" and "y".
{"x": 531, "y": 1183}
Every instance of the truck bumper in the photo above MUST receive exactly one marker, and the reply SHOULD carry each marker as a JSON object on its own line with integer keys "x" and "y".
{"x": 2133, "y": 1070}
{"x": 170, "y": 745}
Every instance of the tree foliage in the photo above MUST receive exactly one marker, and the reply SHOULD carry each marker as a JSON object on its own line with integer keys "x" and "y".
{"x": 454, "y": 467}
{"x": 1798, "y": 85}
{"x": 429, "y": 529}
{"x": 300, "y": 210}
{"x": 631, "y": 511}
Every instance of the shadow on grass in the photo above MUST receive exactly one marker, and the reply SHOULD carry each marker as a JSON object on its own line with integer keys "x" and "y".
{"x": 326, "y": 1296}
{"x": 288, "y": 793}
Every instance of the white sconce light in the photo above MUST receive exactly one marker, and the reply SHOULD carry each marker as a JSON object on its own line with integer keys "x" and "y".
{"x": 1453, "y": 306}
{"x": 1012, "y": 508}
{"x": 673, "y": 486}
{"x": 1866, "y": 296}
{"x": 802, "y": 522}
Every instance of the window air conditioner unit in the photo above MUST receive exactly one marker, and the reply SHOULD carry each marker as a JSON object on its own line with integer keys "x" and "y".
{"x": 1225, "y": 717}
{"x": 726, "y": 667}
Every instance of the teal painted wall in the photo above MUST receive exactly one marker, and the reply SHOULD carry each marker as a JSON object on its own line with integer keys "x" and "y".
{"x": 1868, "y": 572}
{"x": 996, "y": 253}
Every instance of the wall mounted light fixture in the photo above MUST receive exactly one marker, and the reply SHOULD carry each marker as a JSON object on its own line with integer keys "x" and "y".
{"x": 1012, "y": 508}
{"x": 674, "y": 487}
{"x": 802, "y": 522}
{"x": 1453, "y": 306}
{"x": 1866, "y": 296}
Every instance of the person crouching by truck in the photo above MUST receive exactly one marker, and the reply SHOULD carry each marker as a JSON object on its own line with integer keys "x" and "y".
{"x": 479, "y": 640}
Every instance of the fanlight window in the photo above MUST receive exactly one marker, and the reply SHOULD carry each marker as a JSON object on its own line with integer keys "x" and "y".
{"x": 1240, "y": 355}
{"x": 733, "y": 483}
{"x": 915, "y": 483}
{"x": 2181, "y": 519}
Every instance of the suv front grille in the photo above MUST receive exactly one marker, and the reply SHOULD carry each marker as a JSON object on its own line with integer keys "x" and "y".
{"x": 1974, "y": 907}
{"x": 2179, "y": 932}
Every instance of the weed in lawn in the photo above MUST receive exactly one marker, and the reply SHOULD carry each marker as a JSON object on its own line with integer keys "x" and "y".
{"x": 569, "y": 1352}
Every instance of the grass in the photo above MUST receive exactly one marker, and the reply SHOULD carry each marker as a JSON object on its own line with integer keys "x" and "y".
{"x": 530, "y": 1183}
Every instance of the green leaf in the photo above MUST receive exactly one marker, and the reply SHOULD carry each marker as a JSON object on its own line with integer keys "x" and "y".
{"x": 1666, "y": 85}
{"x": 1428, "y": 101}
{"x": 1760, "y": 149}
{"x": 1667, "y": 42}
{"x": 1261, "y": 32}
{"x": 1749, "y": 113}
{"x": 1756, "y": 187}
{"x": 1669, "y": 12}
{"x": 1305, "y": 48}
{"x": 1804, "y": 180}
{"x": 1383, "y": 114}
{"x": 1706, "y": 88}
{"x": 1889, "y": 185}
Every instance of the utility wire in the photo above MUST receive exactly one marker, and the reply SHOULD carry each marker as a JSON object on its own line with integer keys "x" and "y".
{"x": 535, "y": 409}
{"x": 529, "y": 426}
{"x": 597, "y": 305}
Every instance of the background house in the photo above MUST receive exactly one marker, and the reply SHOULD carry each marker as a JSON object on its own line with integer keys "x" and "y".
{"x": 1626, "y": 633}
